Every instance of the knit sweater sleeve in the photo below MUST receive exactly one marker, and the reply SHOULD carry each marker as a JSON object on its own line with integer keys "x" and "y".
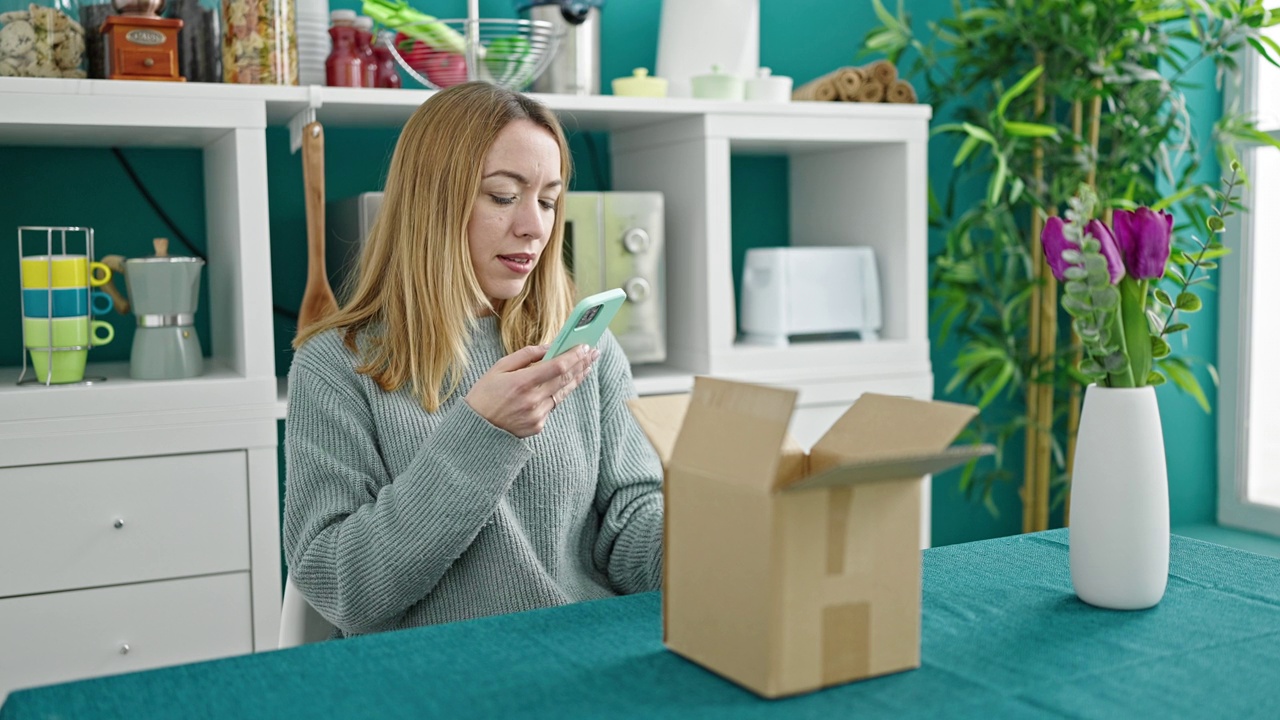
{"x": 362, "y": 547}
{"x": 629, "y": 489}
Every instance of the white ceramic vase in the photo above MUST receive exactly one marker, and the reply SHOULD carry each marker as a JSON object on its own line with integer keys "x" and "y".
{"x": 1119, "y": 526}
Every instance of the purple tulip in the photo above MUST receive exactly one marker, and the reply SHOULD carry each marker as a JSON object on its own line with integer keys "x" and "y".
{"x": 1144, "y": 236}
{"x": 1055, "y": 243}
{"x": 1110, "y": 250}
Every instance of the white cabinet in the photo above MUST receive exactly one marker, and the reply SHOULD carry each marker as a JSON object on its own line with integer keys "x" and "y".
{"x": 146, "y": 513}
{"x": 857, "y": 178}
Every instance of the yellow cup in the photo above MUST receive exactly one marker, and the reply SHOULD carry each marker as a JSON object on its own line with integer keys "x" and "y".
{"x": 65, "y": 332}
{"x": 67, "y": 271}
{"x": 68, "y": 365}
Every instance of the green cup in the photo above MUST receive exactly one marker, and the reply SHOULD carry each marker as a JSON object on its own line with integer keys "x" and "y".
{"x": 68, "y": 365}
{"x": 68, "y": 332}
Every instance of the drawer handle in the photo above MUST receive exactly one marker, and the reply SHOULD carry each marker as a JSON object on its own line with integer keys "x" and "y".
{"x": 119, "y": 523}
{"x": 124, "y": 648}
{"x": 148, "y": 62}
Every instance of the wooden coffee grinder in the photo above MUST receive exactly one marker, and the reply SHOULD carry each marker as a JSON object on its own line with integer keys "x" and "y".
{"x": 140, "y": 44}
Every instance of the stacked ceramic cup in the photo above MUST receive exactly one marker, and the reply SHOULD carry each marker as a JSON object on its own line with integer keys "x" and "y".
{"x": 58, "y": 305}
{"x": 313, "y": 40}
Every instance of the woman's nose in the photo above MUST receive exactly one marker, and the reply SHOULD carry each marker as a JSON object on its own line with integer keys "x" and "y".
{"x": 530, "y": 220}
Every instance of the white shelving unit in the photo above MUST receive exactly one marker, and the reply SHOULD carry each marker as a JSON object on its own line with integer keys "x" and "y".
{"x": 142, "y": 526}
{"x": 857, "y": 177}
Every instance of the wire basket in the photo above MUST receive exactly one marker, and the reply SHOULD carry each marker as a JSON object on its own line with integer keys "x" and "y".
{"x": 443, "y": 53}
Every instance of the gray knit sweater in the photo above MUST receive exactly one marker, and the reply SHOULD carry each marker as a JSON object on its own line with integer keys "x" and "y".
{"x": 396, "y": 517}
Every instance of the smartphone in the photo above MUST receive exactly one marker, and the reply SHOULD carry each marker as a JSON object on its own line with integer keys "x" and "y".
{"x": 587, "y": 322}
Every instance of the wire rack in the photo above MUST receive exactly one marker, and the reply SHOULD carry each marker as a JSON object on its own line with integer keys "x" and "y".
{"x": 55, "y": 243}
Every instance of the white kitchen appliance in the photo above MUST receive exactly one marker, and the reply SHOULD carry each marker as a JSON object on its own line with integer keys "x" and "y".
{"x": 808, "y": 291}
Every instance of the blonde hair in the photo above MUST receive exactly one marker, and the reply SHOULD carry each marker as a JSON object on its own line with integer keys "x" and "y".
{"x": 415, "y": 291}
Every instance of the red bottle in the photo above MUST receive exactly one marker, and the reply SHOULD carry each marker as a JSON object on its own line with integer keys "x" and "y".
{"x": 364, "y": 48}
{"x": 388, "y": 75}
{"x": 345, "y": 66}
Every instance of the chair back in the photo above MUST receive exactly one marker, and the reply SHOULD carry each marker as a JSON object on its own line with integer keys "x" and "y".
{"x": 299, "y": 622}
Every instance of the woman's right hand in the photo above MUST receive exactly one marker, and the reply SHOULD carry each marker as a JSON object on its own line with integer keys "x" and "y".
{"x": 518, "y": 392}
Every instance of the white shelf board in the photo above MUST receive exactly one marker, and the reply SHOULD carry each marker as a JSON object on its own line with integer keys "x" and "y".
{"x": 218, "y": 387}
{"x": 46, "y": 113}
{"x": 133, "y": 434}
{"x": 829, "y": 391}
{"x": 818, "y": 360}
{"x": 661, "y": 380}
{"x": 361, "y": 107}
{"x": 841, "y": 391}
{"x": 368, "y": 107}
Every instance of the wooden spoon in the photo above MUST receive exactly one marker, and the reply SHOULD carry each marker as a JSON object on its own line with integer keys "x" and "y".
{"x": 318, "y": 300}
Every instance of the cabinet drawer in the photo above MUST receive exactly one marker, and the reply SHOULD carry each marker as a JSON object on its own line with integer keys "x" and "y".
{"x": 66, "y": 636}
{"x": 147, "y": 62}
{"x": 79, "y": 525}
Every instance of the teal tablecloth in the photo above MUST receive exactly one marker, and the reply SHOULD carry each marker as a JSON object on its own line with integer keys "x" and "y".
{"x": 1003, "y": 636}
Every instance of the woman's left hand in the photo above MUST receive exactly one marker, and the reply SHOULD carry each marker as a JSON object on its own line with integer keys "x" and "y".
{"x": 518, "y": 392}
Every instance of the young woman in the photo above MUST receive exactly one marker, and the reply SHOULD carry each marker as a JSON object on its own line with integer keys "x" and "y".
{"x": 436, "y": 469}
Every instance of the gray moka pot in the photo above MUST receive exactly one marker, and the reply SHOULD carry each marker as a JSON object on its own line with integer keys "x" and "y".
{"x": 164, "y": 293}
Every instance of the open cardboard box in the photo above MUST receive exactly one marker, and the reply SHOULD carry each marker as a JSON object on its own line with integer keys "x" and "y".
{"x": 788, "y": 571}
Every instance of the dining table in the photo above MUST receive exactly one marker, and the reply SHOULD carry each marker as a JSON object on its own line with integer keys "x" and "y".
{"x": 1003, "y": 635}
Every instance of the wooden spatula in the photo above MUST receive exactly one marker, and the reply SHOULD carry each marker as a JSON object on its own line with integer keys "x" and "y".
{"x": 317, "y": 297}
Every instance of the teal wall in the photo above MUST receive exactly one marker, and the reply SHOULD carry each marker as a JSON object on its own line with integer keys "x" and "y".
{"x": 1191, "y": 434}
{"x": 798, "y": 39}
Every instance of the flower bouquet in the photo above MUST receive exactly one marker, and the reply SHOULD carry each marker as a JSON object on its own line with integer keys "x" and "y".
{"x": 1111, "y": 277}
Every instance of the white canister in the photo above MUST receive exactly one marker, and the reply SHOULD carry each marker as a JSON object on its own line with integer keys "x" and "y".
{"x": 767, "y": 87}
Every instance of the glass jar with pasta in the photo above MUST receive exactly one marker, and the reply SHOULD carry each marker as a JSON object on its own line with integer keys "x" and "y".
{"x": 259, "y": 45}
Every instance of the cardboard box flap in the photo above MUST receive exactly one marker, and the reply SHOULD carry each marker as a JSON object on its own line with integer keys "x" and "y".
{"x": 660, "y": 417}
{"x": 904, "y": 467}
{"x": 886, "y": 426}
{"x": 793, "y": 463}
{"x": 734, "y": 431}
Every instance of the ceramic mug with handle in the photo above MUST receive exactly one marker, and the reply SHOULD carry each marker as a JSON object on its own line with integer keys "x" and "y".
{"x": 65, "y": 271}
{"x": 59, "y": 347}
{"x": 70, "y": 332}
{"x": 64, "y": 302}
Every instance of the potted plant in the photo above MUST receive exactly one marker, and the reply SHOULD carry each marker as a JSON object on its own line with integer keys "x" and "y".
{"x": 1046, "y": 97}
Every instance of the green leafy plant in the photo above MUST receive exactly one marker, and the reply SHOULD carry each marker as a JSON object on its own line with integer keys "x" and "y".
{"x": 1047, "y": 96}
